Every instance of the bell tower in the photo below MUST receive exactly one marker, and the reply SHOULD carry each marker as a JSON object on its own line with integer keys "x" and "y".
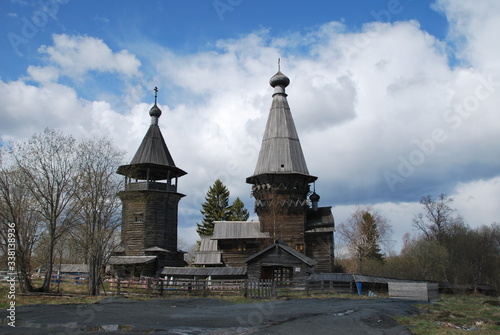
{"x": 286, "y": 207}
{"x": 150, "y": 200}
{"x": 281, "y": 178}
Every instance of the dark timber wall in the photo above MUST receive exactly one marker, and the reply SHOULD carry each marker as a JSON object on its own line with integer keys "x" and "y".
{"x": 149, "y": 219}
{"x": 319, "y": 246}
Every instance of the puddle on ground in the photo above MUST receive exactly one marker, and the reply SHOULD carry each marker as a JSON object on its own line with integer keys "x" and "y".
{"x": 129, "y": 328}
{"x": 349, "y": 311}
{"x": 110, "y": 328}
{"x": 107, "y": 328}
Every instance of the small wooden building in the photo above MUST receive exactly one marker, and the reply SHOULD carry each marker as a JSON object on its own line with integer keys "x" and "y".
{"x": 280, "y": 263}
{"x": 422, "y": 291}
{"x": 231, "y": 243}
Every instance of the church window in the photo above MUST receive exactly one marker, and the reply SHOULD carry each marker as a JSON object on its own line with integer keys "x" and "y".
{"x": 139, "y": 217}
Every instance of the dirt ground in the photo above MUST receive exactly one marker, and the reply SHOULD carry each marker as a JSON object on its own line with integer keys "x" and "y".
{"x": 213, "y": 316}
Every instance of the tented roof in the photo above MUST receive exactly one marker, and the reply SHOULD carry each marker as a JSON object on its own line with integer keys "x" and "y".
{"x": 280, "y": 152}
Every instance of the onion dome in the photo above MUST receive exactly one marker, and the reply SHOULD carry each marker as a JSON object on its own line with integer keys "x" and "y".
{"x": 314, "y": 197}
{"x": 314, "y": 200}
{"x": 155, "y": 111}
{"x": 279, "y": 79}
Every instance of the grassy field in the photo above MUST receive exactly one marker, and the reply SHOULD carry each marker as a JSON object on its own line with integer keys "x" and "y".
{"x": 456, "y": 314}
{"x": 72, "y": 294}
{"x": 453, "y": 314}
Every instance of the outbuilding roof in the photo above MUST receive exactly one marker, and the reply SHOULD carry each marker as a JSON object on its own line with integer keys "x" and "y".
{"x": 125, "y": 260}
{"x": 286, "y": 248}
{"x": 238, "y": 230}
{"x": 71, "y": 268}
{"x": 210, "y": 271}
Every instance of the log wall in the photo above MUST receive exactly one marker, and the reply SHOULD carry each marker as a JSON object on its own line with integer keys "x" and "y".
{"x": 149, "y": 219}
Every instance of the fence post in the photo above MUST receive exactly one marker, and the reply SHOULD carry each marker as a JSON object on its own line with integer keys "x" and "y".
{"x": 118, "y": 286}
{"x": 161, "y": 287}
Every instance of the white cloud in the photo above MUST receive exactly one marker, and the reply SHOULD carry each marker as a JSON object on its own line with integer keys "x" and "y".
{"x": 473, "y": 30}
{"x": 478, "y": 201}
{"x": 43, "y": 74}
{"x": 363, "y": 102}
{"x": 76, "y": 55}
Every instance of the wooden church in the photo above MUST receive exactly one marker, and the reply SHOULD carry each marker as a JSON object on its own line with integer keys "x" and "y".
{"x": 294, "y": 236}
{"x": 292, "y": 239}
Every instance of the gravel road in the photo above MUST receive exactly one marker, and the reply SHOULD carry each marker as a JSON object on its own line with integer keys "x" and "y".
{"x": 212, "y": 316}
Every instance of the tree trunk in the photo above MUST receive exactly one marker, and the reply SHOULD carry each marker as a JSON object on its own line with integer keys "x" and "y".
{"x": 24, "y": 277}
{"x": 94, "y": 277}
{"x": 48, "y": 275}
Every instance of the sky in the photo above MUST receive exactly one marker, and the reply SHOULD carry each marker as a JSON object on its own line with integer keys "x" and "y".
{"x": 392, "y": 99}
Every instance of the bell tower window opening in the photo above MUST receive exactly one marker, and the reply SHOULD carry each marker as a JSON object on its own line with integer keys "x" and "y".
{"x": 139, "y": 217}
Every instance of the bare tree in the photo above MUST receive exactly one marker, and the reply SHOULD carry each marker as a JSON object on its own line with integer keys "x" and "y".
{"x": 363, "y": 233}
{"x": 47, "y": 163}
{"x": 426, "y": 260}
{"x": 18, "y": 209}
{"x": 438, "y": 218}
{"x": 98, "y": 205}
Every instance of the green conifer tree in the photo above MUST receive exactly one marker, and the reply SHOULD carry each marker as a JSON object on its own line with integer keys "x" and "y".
{"x": 370, "y": 248}
{"x": 238, "y": 211}
{"x": 215, "y": 208}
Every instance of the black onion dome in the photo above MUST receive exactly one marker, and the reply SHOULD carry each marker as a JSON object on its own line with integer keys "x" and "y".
{"x": 314, "y": 197}
{"x": 155, "y": 111}
{"x": 279, "y": 79}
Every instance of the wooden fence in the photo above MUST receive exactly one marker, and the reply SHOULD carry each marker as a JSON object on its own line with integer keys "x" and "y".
{"x": 156, "y": 286}
{"x": 74, "y": 278}
{"x": 259, "y": 289}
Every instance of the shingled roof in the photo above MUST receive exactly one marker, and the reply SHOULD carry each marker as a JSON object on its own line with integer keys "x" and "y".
{"x": 153, "y": 159}
{"x": 238, "y": 230}
{"x": 291, "y": 251}
{"x": 280, "y": 152}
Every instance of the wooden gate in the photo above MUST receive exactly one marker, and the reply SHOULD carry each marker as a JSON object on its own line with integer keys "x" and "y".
{"x": 260, "y": 288}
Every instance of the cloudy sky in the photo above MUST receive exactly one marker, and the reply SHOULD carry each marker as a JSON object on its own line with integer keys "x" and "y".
{"x": 392, "y": 99}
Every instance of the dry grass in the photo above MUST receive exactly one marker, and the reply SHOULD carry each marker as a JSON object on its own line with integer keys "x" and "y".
{"x": 455, "y": 315}
{"x": 68, "y": 294}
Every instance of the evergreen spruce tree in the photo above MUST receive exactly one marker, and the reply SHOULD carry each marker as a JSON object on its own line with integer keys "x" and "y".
{"x": 216, "y": 208}
{"x": 238, "y": 211}
{"x": 364, "y": 232}
{"x": 369, "y": 231}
